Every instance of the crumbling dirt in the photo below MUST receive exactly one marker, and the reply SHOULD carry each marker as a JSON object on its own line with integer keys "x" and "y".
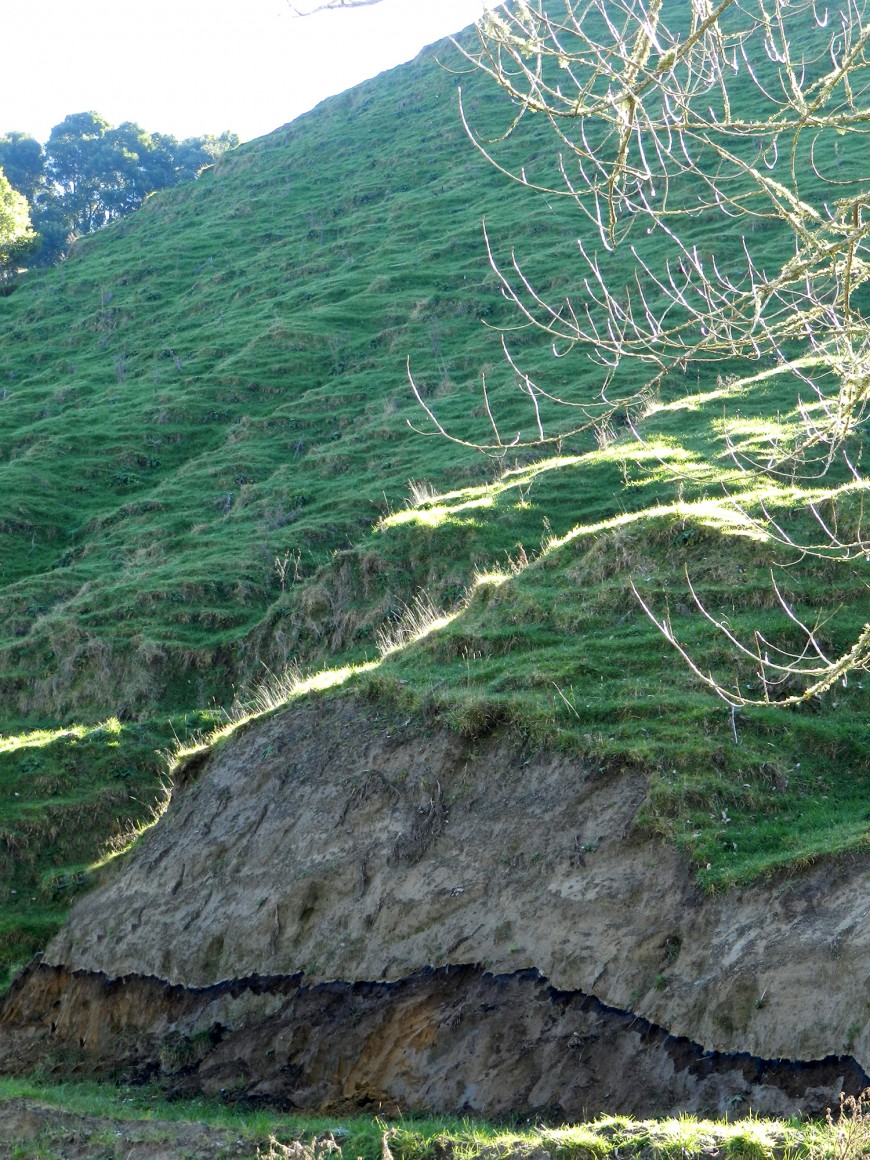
{"x": 455, "y": 1038}
{"x": 336, "y": 847}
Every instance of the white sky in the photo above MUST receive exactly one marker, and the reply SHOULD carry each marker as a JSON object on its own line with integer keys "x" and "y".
{"x": 189, "y": 67}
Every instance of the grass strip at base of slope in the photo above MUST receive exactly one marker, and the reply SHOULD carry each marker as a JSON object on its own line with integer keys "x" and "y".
{"x": 273, "y": 1134}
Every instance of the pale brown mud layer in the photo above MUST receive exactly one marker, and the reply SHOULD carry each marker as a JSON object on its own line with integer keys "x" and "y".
{"x": 365, "y": 856}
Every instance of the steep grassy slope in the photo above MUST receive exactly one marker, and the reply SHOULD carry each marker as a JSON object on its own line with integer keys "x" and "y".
{"x": 205, "y": 403}
{"x": 204, "y": 470}
{"x": 200, "y": 413}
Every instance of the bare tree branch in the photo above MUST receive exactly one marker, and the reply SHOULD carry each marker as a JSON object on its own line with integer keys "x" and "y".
{"x": 643, "y": 112}
{"x": 729, "y": 115}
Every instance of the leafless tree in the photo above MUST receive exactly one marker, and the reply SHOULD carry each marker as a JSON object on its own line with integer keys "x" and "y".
{"x": 733, "y": 113}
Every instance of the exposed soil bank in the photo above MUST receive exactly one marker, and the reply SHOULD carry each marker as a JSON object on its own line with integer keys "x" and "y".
{"x": 457, "y": 1039}
{"x": 332, "y": 843}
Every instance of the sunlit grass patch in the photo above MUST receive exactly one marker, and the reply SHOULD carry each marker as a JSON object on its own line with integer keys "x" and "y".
{"x": 416, "y": 621}
{"x": 276, "y": 692}
{"x": 619, "y": 1136}
{"x": 38, "y": 738}
{"x": 434, "y": 507}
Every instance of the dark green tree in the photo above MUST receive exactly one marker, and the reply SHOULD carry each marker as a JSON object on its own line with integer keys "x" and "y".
{"x": 79, "y": 168}
{"x": 23, "y": 162}
{"x": 194, "y": 153}
{"x": 92, "y": 173}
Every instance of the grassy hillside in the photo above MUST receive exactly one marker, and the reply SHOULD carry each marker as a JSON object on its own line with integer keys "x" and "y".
{"x": 207, "y": 473}
{"x": 218, "y": 386}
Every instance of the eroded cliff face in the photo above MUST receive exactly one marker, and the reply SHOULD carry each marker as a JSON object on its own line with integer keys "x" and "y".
{"x": 331, "y": 849}
{"x": 457, "y": 1039}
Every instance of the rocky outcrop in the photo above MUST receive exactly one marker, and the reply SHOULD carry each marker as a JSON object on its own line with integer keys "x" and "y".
{"x": 481, "y": 910}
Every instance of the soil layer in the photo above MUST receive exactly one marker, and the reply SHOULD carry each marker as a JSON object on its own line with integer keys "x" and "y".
{"x": 343, "y": 907}
{"x": 455, "y": 1039}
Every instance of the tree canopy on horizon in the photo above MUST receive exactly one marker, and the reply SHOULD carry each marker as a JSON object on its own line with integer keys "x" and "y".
{"x": 90, "y": 172}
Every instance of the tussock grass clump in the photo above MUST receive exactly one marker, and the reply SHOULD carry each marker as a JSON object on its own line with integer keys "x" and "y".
{"x": 415, "y": 621}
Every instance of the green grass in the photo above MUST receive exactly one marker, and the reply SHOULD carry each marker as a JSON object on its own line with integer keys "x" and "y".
{"x": 434, "y": 1138}
{"x": 68, "y": 796}
{"x": 551, "y": 641}
{"x": 218, "y": 383}
{"x": 207, "y": 474}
